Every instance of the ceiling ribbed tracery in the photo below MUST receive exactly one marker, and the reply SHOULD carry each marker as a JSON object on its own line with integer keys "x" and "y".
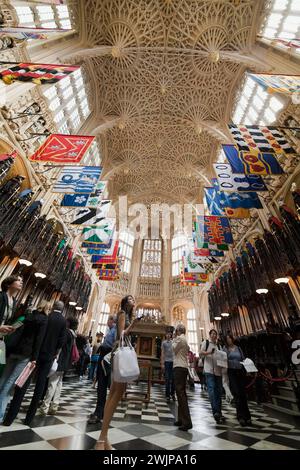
{"x": 163, "y": 70}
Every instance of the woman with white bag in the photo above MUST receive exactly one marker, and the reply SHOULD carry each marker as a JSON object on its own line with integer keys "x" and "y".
{"x": 124, "y": 367}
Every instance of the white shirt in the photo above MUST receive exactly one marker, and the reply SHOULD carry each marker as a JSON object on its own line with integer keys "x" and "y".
{"x": 181, "y": 349}
{"x": 210, "y": 362}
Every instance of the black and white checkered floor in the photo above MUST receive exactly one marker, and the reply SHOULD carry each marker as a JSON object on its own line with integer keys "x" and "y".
{"x": 136, "y": 427}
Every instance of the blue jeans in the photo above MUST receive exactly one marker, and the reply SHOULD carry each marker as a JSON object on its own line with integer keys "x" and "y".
{"x": 13, "y": 368}
{"x": 170, "y": 387}
{"x": 93, "y": 367}
{"x": 214, "y": 388}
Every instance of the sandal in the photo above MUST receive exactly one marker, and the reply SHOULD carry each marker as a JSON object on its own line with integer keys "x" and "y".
{"x": 108, "y": 445}
{"x": 103, "y": 444}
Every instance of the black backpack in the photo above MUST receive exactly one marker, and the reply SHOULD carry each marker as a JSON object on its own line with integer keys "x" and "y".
{"x": 207, "y": 344}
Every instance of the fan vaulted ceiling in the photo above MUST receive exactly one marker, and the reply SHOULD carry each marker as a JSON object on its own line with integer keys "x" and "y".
{"x": 165, "y": 73}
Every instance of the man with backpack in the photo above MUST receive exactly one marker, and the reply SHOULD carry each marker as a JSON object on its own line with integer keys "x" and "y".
{"x": 213, "y": 374}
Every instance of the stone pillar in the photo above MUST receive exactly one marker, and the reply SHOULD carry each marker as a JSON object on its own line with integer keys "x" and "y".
{"x": 200, "y": 300}
{"x": 165, "y": 280}
{"x": 135, "y": 267}
{"x": 91, "y": 320}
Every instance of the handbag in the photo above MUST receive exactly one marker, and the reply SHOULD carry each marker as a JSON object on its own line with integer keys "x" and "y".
{"x": 74, "y": 353}
{"x": 26, "y": 372}
{"x": 125, "y": 362}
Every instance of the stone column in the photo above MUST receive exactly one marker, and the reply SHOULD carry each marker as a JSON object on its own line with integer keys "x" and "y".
{"x": 135, "y": 267}
{"x": 166, "y": 277}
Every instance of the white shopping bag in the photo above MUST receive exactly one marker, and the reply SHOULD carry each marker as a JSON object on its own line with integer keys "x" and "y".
{"x": 249, "y": 365}
{"x": 125, "y": 363}
{"x": 221, "y": 357}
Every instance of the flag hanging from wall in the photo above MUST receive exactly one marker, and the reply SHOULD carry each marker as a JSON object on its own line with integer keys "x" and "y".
{"x": 105, "y": 274}
{"x": 63, "y": 149}
{"x": 209, "y": 252}
{"x": 96, "y": 246}
{"x": 275, "y": 83}
{"x": 39, "y": 74}
{"x": 207, "y": 249}
{"x": 100, "y": 251}
{"x": 85, "y": 200}
{"x": 22, "y": 32}
{"x": 100, "y": 234}
{"x": 196, "y": 258}
{"x": 213, "y": 230}
{"x": 99, "y": 259}
{"x": 219, "y": 203}
{"x": 252, "y": 162}
{"x": 193, "y": 279}
{"x": 194, "y": 276}
{"x": 77, "y": 179}
{"x": 91, "y": 216}
{"x": 108, "y": 266}
{"x": 192, "y": 267}
{"x": 260, "y": 138}
{"x": 229, "y": 181}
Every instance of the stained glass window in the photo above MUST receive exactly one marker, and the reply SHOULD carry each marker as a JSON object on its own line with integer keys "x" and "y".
{"x": 192, "y": 336}
{"x": 45, "y": 16}
{"x": 105, "y": 311}
{"x": 151, "y": 259}
{"x": 283, "y": 22}
{"x": 68, "y": 99}
{"x": 179, "y": 244}
{"x": 255, "y": 105}
{"x": 126, "y": 249}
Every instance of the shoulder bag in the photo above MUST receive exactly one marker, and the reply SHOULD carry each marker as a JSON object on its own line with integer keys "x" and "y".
{"x": 125, "y": 363}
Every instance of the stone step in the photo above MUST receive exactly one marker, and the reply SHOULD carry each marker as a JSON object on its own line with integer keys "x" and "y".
{"x": 285, "y": 402}
{"x": 285, "y": 415}
{"x": 286, "y": 391}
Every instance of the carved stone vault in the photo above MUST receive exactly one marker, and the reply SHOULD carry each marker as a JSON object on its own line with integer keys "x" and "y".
{"x": 164, "y": 73}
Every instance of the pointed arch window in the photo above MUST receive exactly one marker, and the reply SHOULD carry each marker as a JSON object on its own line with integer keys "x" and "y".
{"x": 179, "y": 244}
{"x": 105, "y": 311}
{"x": 151, "y": 259}
{"x": 126, "y": 249}
{"x": 192, "y": 331}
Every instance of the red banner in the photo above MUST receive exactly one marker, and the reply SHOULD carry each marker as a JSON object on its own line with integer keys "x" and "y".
{"x": 108, "y": 259}
{"x": 63, "y": 149}
{"x": 40, "y": 74}
{"x": 6, "y": 156}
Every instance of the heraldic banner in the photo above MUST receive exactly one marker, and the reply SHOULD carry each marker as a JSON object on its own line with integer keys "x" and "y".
{"x": 39, "y": 74}
{"x": 63, "y": 149}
